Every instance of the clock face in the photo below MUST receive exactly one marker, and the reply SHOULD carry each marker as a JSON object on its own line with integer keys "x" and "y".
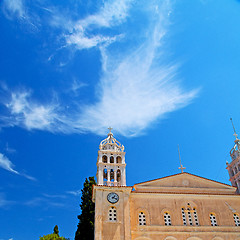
{"x": 112, "y": 197}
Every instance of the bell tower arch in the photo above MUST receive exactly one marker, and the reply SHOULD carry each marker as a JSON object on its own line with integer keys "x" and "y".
{"x": 111, "y": 162}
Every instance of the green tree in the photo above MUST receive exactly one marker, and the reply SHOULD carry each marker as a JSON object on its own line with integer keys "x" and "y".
{"x": 55, "y": 230}
{"x": 85, "y": 228}
{"x": 53, "y": 236}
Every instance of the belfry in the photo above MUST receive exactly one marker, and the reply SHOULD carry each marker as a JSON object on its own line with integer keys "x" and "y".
{"x": 111, "y": 162}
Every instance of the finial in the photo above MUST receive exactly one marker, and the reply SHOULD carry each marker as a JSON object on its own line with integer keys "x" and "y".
{"x": 235, "y": 134}
{"x": 110, "y": 129}
{"x": 181, "y": 166}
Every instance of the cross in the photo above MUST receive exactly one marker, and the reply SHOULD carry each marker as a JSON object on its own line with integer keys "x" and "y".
{"x": 110, "y": 129}
{"x": 181, "y": 166}
{"x": 235, "y": 134}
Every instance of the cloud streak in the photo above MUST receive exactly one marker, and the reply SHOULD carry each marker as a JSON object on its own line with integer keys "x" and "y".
{"x": 14, "y": 8}
{"x": 82, "y": 34}
{"x": 29, "y": 114}
{"x": 4, "y": 202}
{"x": 135, "y": 88}
{"x": 6, "y": 164}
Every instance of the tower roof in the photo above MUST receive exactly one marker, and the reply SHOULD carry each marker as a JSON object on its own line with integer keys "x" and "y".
{"x": 110, "y": 143}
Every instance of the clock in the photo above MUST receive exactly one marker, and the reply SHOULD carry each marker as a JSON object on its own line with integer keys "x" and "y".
{"x": 113, "y": 197}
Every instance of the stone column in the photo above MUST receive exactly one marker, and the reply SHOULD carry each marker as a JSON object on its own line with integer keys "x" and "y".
{"x": 108, "y": 177}
{"x": 115, "y": 177}
{"x": 123, "y": 177}
{"x": 100, "y": 175}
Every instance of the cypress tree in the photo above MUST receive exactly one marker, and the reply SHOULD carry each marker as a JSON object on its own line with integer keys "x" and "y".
{"x": 85, "y": 228}
{"x": 55, "y": 230}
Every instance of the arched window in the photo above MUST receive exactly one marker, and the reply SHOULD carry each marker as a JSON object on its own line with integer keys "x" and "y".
{"x": 119, "y": 159}
{"x": 189, "y": 216}
{"x": 112, "y": 175}
{"x": 184, "y": 217}
{"x": 104, "y": 159}
{"x": 118, "y": 176}
{"x": 195, "y": 216}
{"x": 104, "y": 176}
{"x": 213, "y": 219}
{"x": 112, "y": 214}
{"x": 111, "y": 159}
{"x": 167, "y": 219}
{"x": 236, "y": 219}
{"x": 142, "y": 218}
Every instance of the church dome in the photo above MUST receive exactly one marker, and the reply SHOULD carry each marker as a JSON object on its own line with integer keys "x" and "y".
{"x": 111, "y": 143}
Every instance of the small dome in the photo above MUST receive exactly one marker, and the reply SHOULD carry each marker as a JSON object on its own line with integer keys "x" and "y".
{"x": 111, "y": 143}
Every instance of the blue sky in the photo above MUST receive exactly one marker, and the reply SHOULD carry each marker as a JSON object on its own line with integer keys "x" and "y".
{"x": 161, "y": 73}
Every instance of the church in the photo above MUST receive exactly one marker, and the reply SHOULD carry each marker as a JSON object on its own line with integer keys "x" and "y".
{"x": 177, "y": 207}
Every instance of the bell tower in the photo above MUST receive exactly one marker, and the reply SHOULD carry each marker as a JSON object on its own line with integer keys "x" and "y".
{"x": 111, "y": 162}
{"x": 234, "y": 166}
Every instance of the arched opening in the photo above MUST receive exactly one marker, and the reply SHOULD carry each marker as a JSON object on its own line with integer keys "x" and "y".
{"x": 170, "y": 238}
{"x": 111, "y": 159}
{"x": 112, "y": 214}
{"x": 167, "y": 219}
{"x": 184, "y": 216}
{"x": 213, "y": 219}
{"x": 189, "y": 216}
{"x": 104, "y": 159}
{"x": 112, "y": 175}
{"x": 236, "y": 219}
{"x": 119, "y": 159}
{"x": 195, "y": 216}
{"x": 118, "y": 176}
{"x": 142, "y": 218}
{"x": 104, "y": 176}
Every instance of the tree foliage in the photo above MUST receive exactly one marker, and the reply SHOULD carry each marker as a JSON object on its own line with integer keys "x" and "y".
{"x": 55, "y": 230}
{"x": 85, "y": 228}
{"x": 53, "y": 236}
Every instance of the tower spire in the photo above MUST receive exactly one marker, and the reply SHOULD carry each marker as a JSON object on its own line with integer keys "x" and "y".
{"x": 233, "y": 166}
{"x": 181, "y": 166}
{"x": 235, "y": 134}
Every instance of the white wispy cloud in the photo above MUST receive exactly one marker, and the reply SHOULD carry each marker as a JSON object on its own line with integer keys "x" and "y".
{"x": 76, "y": 86}
{"x": 14, "y": 8}
{"x": 135, "y": 88}
{"x": 4, "y": 202}
{"x": 112, "y": 13}
{"x": 6, "y": 164}
{"x": 75, "y": 193}
{"x": 31, "y": 115}
{"x": 43, "y": 201}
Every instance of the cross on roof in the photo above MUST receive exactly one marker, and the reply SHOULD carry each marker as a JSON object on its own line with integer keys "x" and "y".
{"x": 110, "y": 129}
{"x": 181, "y": 166}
